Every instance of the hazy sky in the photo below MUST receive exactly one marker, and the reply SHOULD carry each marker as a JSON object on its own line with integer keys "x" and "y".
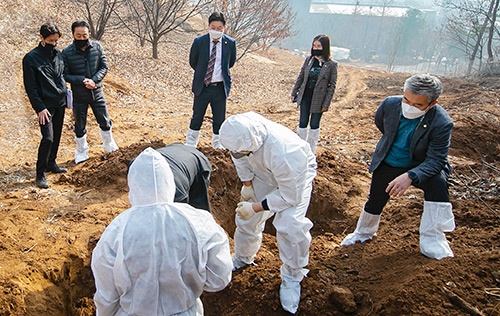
{"x": 413, "y": 3}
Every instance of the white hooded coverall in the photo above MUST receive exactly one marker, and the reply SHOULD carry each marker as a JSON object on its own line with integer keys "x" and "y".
{"x": 281, "y": 168}
{"x": 157, "y": 257}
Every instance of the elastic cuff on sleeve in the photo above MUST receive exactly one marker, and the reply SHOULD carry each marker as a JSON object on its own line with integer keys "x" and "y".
{"x": 264, "y": 205}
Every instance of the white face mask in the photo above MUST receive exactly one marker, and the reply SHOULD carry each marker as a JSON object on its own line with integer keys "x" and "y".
{"x": 411, "y": 112}
{"x": 215, "y": 35}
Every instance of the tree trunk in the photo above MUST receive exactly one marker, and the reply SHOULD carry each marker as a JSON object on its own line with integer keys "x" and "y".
{"x": 155, "y": 48}
{"x": 398, "y": 38}
{"x": 472, "y": 57}
{"x": 491, "y": 31}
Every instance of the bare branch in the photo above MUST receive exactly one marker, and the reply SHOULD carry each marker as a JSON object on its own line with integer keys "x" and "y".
{"x": 257, "y": 24}
{"x": 150, "y": 20}
{"x": 98, "y": 14}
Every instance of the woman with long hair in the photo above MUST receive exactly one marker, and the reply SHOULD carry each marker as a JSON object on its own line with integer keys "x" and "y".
{"x": 314, "y": 88}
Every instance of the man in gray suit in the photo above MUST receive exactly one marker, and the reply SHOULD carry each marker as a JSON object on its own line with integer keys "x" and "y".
{"x": 413, "y": 150}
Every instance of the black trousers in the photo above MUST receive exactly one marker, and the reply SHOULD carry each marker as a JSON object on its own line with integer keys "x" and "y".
{"x": 305, "y": 114}
{"x": 51, "y": 137}
{"x": 216, "y": 96}
{"x": 435, "y": 188}
{"x": 98, "y": 105}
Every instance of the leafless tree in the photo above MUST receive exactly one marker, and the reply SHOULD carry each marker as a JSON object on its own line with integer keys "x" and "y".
{"x": 98, "y": 14}
{"x": 409, "y": 30}
{"x": 257, "y": 24}
{"x": 491, "y": 29}
{"x": 384, "y": 4}
{"x": 467, "y": 23}
{"x": 150, "y": 20}
{"x": 396, "y": 46}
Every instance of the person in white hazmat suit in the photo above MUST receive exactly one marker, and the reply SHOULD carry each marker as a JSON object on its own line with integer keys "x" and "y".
{"x": 157, "y": 257}
{"x": 277, "y": 168}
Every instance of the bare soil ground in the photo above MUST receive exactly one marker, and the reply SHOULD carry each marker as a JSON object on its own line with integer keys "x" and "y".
{"x": 47, "y": 236}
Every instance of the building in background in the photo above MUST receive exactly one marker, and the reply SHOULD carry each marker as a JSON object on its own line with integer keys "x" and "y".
{"x": 379, "y": 31}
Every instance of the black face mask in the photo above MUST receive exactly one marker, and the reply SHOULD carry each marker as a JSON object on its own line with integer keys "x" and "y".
{"x": 81, "y": 43}
{"x": 317, "y": 52}
{"x": 49, "y": 48}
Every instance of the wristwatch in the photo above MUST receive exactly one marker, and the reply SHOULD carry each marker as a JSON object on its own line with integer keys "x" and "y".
{"x": 412, "y": 175}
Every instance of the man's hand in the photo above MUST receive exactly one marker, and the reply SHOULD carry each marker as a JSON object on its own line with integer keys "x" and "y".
{"x": 245, "y": 210}
{"x": 399, "y": 185}
{"x": 247, "y": 193}
{"x": 89, "y": 84}
{"x": 44, "y": 117}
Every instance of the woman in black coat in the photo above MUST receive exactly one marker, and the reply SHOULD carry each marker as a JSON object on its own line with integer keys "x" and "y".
{"x": 314, "y": 88}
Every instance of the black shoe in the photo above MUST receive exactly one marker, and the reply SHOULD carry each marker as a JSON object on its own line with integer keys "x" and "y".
{"x": 56, "y": 169}
{"x": 41, "y": 182}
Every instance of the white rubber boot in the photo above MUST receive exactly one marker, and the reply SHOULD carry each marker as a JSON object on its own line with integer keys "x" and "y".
{"x": 312, "y": 139}
{"x": 437, "y": 219}
{"x": 108, "y": 143}
{"x": 290, "y": 287}
{"x": 82, "y": 149}
{"x": 241, "y": 262}
{"x": 192, "y": 138}
{"x": 216, "y": 142}
{"x": 302, "y": 132}
{"x": 366, "y": 228}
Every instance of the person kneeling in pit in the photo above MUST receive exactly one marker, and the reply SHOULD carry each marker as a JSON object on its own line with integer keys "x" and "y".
{"x": 413, "y": 150}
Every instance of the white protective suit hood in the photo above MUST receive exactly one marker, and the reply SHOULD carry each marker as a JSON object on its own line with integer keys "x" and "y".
{"x": 243, "y": 132}
{"x": 150, "y": 179}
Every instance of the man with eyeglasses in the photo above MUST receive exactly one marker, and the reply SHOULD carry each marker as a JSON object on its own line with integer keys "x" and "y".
{"x": 277, "y": 168}
{"x": 413, "y": 150}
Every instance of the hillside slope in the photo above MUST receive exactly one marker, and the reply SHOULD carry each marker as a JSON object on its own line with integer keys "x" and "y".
{"x": 47, "y": 236}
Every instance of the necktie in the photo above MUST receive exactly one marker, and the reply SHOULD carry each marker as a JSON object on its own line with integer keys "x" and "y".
{"x": 211, "y": 63}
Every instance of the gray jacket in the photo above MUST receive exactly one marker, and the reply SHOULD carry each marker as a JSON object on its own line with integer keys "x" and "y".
{"x": 430, "y": 143}
{"x": 324, "y": 88}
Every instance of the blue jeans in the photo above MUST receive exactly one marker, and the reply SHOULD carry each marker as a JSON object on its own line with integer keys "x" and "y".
{"x": 305, "y": 114}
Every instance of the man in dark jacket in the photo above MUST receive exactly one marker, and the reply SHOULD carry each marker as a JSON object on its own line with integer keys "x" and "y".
{"x": 85, "y": 68}
{"x": 211, "y": 56}
{"x": 413, "y": 150}
{"x": 191, "y": 170}
{"x": 44, "y": 83}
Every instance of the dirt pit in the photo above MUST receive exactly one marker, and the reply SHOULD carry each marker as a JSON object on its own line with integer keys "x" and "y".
{"x": 47, "y": 236}
{"x": 73, "y": 286}
{"x": 391, "y": 263}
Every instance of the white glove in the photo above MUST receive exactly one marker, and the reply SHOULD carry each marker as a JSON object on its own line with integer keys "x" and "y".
{"x": 248, "y": 194}
{"x": 245, "y": 210}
